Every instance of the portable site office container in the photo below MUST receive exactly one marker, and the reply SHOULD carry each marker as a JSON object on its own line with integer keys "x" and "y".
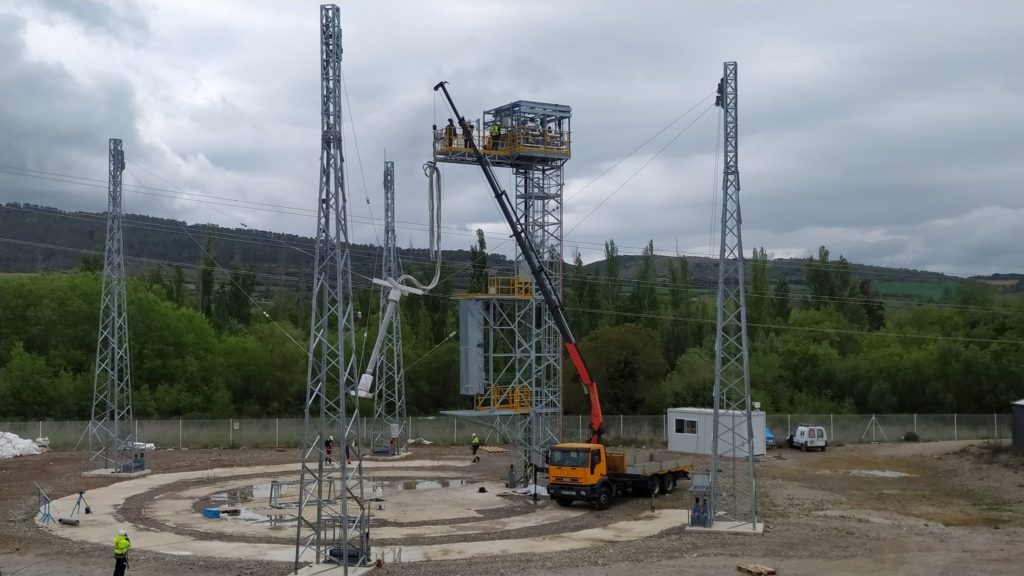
{"x": 1018, "y": 426}
{"x": 689, "y": 429}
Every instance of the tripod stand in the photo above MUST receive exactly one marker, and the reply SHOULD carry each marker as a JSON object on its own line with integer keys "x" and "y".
{"x": 79, "y": 502}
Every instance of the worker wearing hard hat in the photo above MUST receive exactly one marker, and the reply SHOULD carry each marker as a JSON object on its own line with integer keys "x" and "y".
{"x": 121, "y": 546}
{"x": 475, "y": 445}
{"x": 449, "y": 133}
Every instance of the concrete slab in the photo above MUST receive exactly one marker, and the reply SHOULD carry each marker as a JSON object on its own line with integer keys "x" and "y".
{"x": 649, "y": 524}
{"x": 100, "y": 527}
{"x": 730, "y": 527}
{"x": 108, "y": 472}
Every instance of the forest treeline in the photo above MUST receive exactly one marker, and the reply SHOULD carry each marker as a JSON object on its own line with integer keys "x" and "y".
{"x": 214, "y": 343}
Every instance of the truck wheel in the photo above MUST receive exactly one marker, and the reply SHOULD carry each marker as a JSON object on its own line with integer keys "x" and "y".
{"x": 668, "y": 483}
{"x": 803, "y": 447}
{"x": 566, "y": 502}
{"x": 604, "y": 498}
{"x": 654, "y": 487}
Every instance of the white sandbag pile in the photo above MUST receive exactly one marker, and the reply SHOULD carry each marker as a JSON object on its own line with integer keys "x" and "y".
{"x": 12, "y": 445}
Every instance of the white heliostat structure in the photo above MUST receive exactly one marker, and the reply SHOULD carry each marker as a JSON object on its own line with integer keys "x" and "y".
{"x": 691, "y": 430}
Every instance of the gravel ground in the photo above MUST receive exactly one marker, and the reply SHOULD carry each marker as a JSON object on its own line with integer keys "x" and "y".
{"x": 959, "y": 505}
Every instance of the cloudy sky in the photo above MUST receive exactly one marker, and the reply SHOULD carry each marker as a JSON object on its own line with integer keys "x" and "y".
{"x": 891, "y": 132}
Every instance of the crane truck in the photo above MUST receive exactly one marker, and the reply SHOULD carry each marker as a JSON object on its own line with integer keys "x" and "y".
{"x": 576, "y": 471}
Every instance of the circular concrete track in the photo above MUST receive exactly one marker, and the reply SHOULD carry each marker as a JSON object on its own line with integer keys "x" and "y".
{"x": 406, "y": 508}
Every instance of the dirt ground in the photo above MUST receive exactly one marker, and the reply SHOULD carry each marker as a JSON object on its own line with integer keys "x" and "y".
{"x": 900, "y": 509}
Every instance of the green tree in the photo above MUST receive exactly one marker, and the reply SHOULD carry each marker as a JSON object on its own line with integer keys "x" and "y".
{"x": 612, "y": 281}
{"x": 759, "y": 299}
{"x": 874, "y": 309}
{"x": 644, "y": 297}
{"x": 626, "y": 363}
{"x": 678, "y": 332}
{"x": 780, "y": 301}
{"x": 478, "y": 261}
{"x": 206, "y": 286}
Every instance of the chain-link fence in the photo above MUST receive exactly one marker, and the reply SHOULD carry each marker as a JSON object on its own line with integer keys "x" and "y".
{"x": 446, "y": 430}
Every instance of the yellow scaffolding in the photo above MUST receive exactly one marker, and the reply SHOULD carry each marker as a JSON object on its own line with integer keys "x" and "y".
{"x": 506, "y": 286}
{"x": 516, "y": 398}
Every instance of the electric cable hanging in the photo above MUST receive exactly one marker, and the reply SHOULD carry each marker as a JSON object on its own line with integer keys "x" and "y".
{"x": 397, "y": 285}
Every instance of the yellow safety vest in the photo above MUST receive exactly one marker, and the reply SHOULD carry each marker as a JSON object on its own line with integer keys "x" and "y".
{"x": 121, "y": 545}
{"x": 476, "y": 440}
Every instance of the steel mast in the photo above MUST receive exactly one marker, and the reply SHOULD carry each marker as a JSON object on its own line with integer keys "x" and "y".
{"x": 111, "y": 427}
{"x": 332, "y": 521}
{"x": 389, "y": 401}
{"x": 733, "y": 478}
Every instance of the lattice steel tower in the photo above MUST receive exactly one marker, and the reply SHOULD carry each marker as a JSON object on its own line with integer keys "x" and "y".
{"x": 733, "y": 477}
{"x": 517, "y": 376}
{"x": 389, "y": 434}
{"x": 332, "y": 518}
{"x": 111, "y": 427}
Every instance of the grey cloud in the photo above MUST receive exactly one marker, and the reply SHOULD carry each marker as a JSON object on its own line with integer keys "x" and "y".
{"x": 862, "y": 127}
{"x": 124, "y": 20}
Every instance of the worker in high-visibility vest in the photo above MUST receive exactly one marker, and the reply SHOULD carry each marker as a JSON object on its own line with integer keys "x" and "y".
{"x": 495, "y": 135}
{"x": 121, "y": 546}
{"x": 475, "y": 445}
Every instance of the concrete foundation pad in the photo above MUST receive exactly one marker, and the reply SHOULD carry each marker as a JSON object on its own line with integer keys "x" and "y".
{"x": 386, "y": 457}
{"x": 100, "y": 527}
{"x": 649, "y": 524}
{"x": 730, "y": 527}
{"x": 109, "y": 472}
{"x": 318, "y": 569}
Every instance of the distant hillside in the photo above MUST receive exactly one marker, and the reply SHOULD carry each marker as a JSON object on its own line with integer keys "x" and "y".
{"x": 45, "y": 239}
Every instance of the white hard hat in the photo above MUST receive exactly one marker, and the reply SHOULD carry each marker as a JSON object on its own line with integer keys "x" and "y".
{"x": 474, "y": 433}
{"x": 330, "y": 437}
{"x": 122, "y": 532}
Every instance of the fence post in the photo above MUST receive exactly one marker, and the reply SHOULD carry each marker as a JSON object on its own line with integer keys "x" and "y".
{"x": 277, "y": 432}
{"x": 621, "y": 427}
{"x": 136, "y": 430}
{"x": 995, "y": 426}
{"x": 179, "y": 434}
{"x": 789, "y": 426}
{"x": 410, "y": 428}
{"x": 915, "y": 422}
{"x": 40, "y": 429}
{"x": 831, "y": 429}
{"x": 231, "y": 433}
{"x": 955, "y": 435}
{"x": 581, "y": 427}
{"x": 455, "y": 431}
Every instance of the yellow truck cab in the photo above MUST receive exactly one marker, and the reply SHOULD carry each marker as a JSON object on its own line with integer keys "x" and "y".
{"x": 586, "y": 472}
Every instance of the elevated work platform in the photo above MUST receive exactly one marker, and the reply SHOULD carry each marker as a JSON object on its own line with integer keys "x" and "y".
{"x": 505, "y": 287}
{"x": 522, "y": 134}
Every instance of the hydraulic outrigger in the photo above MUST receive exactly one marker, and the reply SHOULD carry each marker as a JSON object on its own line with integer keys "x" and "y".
{"x": 540, "y": 275}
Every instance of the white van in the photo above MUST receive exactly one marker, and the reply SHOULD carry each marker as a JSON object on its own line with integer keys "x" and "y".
{"x": 808, "y": 438}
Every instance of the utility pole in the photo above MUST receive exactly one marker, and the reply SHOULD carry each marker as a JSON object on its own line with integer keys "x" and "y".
{"x": 332, "y": 520}
{"x": 111, "y": 427}
{"x": 733, "y": 478}
{"x": 389, "y": 401}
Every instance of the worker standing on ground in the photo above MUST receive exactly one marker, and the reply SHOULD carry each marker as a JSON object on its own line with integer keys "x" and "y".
{"x": 328, "y": 448}
{"x": 121, "y": 546}
{"x": 449, "y": 133}
{"x": 475, "y": 445}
